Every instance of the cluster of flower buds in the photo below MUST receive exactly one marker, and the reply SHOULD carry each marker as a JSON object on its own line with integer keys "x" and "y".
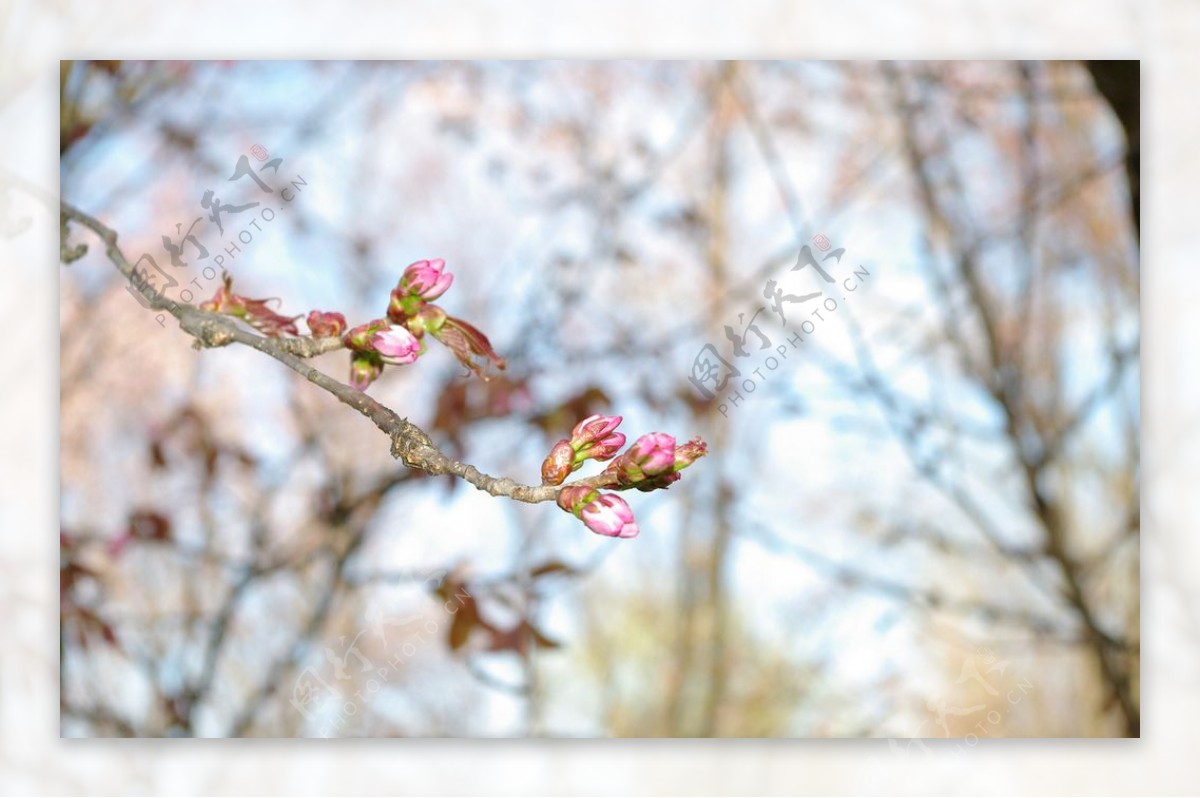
{"x": 652, "y": 462}
{"x": 594, "y": 438}
{"x": 254, "y": 312}
{"x": 409, "y": 307}
{"x": 394, "y": 340}
{"x": 376, "y": 343}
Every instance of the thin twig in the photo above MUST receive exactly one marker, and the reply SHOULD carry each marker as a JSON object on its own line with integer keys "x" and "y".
{"x": 410, "y": 444}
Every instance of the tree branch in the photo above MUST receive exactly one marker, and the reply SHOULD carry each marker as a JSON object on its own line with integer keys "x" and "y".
{"x": 409, "y": 443}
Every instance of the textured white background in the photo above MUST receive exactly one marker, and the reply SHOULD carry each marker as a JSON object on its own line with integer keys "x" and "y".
{"x": 1164, "y": 33}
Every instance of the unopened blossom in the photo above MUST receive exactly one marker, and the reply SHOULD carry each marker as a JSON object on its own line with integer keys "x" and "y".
{"x": 645, "y": 465}
{"x": 650, "y": 456}
{"x": 365, "y": 368}
{"x": 427, "y": 279}
{"x": 423, "y": 281}
{"x": 359, "y": 338}
{"x": 558, "y": 464}
{"x": 593, "y": 428}
{"x": 609, "y": 515}
{"x": 573, "y": 498}
{"x": 326, "y": 325}
{"x": 595, "y": 438}
{"x": 388, "y": 343}
{"x": 605, "y": 514}
{"x": 429, "y": 319}
{"x": 397, "y": 345}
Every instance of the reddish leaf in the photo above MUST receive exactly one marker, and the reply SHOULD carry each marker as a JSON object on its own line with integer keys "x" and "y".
{"x": 469, "y": 345}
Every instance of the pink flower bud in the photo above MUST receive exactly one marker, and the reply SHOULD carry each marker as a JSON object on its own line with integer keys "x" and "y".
{"x": 650, "y": 456}
{"x": 575, "y": 497}
{"x": 605, "y": 514}
{"x": 610, "y": 516}
{"x": 430, "y": 318}
{"x": 359, "y": 338}
{"x": 654, "y": 452}
{"x": 365, "y": 368}
{"x": 636, "y": 467}
{"x": 326, "y": 325}
{"x": 558, "y": 464}
{"x": 426, "y": 279}
{"x": 397, "y": 345}
{"x": 601, "y": 450}
{"x": 594, "y": 438}
{"x": 402, "y": 305}
{"x": 592, "y": 429}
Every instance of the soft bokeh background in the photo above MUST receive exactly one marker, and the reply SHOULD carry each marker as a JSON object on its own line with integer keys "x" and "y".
{"x": 919, "y": 517}
{"x": 956, "y": 767}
